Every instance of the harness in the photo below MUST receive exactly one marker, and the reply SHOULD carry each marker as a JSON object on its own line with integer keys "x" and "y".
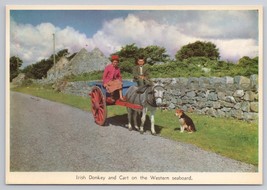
{"x": 150, "y": 101}
{"x": 153, "y": 101}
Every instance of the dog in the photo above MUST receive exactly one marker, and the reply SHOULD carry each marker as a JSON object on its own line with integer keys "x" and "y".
{"x": 185, "y": 121}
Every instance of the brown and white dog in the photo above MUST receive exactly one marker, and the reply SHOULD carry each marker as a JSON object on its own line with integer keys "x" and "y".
{"x": 185, "y": 121}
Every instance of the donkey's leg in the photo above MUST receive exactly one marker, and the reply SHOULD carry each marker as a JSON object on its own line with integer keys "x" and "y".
{"x": 129, "y": 110}
{"x": 143, "y": 119}
{"x": 135, "y": 120}
{"x": 152, "y": 122}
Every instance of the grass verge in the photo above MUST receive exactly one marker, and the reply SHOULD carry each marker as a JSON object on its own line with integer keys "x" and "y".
{"x": 228, "y": 137}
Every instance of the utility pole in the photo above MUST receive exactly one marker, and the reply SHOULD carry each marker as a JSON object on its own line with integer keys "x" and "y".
{"x": 54, "y": 48}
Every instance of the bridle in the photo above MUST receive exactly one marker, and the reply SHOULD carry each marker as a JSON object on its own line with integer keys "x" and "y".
{"x": 152, "y": 101}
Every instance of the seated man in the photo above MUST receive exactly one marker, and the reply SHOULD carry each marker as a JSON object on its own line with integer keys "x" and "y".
{"x": 112, "y": 79}
{"x": 141, "y": 74}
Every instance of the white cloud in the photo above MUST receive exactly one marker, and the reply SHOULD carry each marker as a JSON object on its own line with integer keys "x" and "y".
{"x": 236, "y": 48}
{"x": 33, "y": 43}
{"x": 132, "y": 29}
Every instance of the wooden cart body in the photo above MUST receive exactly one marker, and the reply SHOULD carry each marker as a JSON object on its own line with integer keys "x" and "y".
{"x": 100, "y": 99}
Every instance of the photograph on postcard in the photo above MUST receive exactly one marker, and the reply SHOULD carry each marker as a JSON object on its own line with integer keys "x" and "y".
{"x": 134, "y": 94}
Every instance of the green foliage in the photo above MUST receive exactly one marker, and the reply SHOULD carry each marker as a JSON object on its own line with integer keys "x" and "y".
{"x": 127, "y": 65}
{"x": 95, "y": 75}
{"x": 15, "y": 63}
{"x": 39, "y": 69}
{"x": 129, "y": 53}
{"x": 250, "y": 66}
{"x": 198, "y": 49}
{"x": 59, "y": 54}
{"x": 191, "y": 67}
{"x": 155, "y": 54}
{"x": 27, "y": 82}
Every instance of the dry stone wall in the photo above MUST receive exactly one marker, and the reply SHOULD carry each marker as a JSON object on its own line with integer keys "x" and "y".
{"x": 235, "y": 97}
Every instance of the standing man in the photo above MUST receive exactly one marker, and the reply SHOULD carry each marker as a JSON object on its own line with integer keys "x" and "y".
{"x": 112, "y": 79}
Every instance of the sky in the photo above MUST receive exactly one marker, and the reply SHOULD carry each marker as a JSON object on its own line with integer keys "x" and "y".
{"x": 234, "y": 32}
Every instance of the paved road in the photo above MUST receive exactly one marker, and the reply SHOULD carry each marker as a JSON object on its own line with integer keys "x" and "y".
{"x": 49, "y": 136}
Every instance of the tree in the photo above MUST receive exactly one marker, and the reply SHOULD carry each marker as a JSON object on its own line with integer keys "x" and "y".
{"x": 155, "y": 54}
{"x": 39, "y": 69}
{"x": 15, "y": 64}
{"x": 129, "y": 53}
{"x": 246, "y": 61}
{"x": 248, "y": 65}
{"x": 198, "y": 49}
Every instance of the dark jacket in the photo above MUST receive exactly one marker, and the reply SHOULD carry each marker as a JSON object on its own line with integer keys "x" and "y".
{"x": 136, "y": 74}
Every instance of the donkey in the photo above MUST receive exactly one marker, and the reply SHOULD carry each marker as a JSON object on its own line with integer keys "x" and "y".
{"x": 150, "y": 99}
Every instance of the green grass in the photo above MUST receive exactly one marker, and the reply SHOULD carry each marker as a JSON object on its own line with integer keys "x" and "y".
{"x": 228, "y": 137}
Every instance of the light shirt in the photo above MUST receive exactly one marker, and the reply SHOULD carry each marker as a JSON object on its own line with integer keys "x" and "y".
{"x": 141, "y": 70}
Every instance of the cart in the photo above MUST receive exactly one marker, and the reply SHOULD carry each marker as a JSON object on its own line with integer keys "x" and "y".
{"x": 100, "y": 99}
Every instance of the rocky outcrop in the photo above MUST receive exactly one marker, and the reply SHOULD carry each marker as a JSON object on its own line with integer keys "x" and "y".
{"x": 85, "y": 62}
{"x": 82, "y": 62}
{"x": 17, "y": 81}
{"x": 59, "y": 70}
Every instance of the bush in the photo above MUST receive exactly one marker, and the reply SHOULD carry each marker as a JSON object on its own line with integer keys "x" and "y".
{"x": 27, "y": 82}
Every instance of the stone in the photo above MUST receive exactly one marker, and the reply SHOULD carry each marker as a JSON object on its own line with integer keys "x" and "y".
{"x": 230, "y": 99}
{"x": 249, "y": 96}
{"x": 221, "y": 95}
{"x": 237, "y": 114}
{"x": 229, "y": 80}
{"x": 254, "y": 106}
{"x": 212, "y": 112}
{"x": 245, "y": 106}
{"x": 201, "y": 104}
{"x": 239, "y": 93}
{"x": 212, "y": 96}
{"x": 19, "y": 79}
{"x": 82, "y": 62}
{"x": 217, "y": 80}
{"x": 216, "y": 105}
{"x": 228, "y": 114}
{"x": 182, "y": 81}
{"x": 250, "y": 116}
{"x": 191, "y": 94}
{"x": 226, "y": 109}
{"x": 242, "y": 82}
{"x": 237, "y": 106}
{"x": 172, "y": 106}
{"x": 221, "y": 113}
{"x": 254, "y": 83}
{"x": 209, "y": 104}
{"x": 227, "y": 104}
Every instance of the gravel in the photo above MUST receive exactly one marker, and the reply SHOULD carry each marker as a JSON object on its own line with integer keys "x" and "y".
{"x": 49, "y": 136}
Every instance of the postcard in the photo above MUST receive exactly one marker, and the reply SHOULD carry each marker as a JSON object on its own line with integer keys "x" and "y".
{"x": 134, "y": 94}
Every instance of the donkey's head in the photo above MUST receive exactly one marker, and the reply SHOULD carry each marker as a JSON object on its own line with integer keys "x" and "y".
{"x": 158, "y": 92}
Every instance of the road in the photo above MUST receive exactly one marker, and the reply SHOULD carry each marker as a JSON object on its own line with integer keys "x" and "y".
{"x": 49, "y": 136}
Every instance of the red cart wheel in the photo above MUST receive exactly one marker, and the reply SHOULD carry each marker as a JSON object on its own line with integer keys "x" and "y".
{"x": 99, "y": 108}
